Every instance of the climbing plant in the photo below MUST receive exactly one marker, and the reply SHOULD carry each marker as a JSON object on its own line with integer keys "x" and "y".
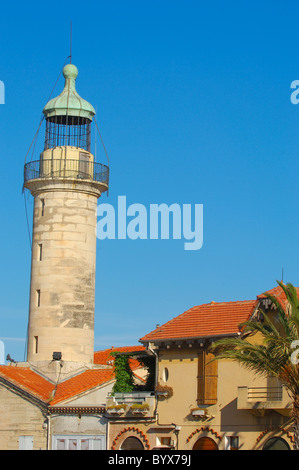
{"x": 123, "y": 374}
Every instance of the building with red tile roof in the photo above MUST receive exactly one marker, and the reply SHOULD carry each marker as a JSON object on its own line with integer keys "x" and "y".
{"x": 31, "y": 381}
{"x": 41, "y": 400}
{"x": 210, "y": 404}
{"x": 278, "y": 293}
{"x": 28, "y": 381}
{"x": 71, "y": 412}
{"x": 212, "y": 319}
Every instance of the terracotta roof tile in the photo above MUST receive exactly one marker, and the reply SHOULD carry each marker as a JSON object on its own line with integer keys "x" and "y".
{"x": 28, "y": 380}
{"x": 205, "y": 320}
{"x": 81, "y": 383}
{"x": 104, "y": 357}
{"x": 31, "y": 382}
{"x": 277, "y": 292}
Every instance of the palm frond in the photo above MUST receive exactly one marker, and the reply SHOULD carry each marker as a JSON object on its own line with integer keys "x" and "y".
{"x": 272, "y": 354}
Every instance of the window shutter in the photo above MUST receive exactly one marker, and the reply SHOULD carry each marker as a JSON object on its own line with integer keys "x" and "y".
{"x": 25, "y": 442}
{"x": 211, "y": 377}
{"x": 201, "y": 378}
{"x": 207, "y": 379}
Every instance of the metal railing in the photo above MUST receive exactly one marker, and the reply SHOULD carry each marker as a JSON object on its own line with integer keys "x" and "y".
{"x": 265, "y": 393}
{"x": 66, "y": 169}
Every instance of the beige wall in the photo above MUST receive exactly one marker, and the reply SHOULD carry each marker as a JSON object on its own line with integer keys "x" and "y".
{"x": 20, "y": 417}
{"x": 224, "y": 419}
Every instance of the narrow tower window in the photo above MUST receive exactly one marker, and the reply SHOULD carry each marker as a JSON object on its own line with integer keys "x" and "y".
{"x": 42, "y": 207}
{"x": 35, "y": 349}
{"x": 40, "y": 252}
{"x": 38, "y": 298}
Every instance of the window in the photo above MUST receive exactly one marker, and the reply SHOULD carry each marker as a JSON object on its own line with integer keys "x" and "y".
{"x": 38, "y": 298}
{"x": 165, "y": 374}
{"x": 232, "y": 443}
{"x": 165, "y": 441}
{"x": 207, "y": 379}
{"x": 40, "y": 252}
{"x": 276, "y": 443}
{"x": 84, "y": 165}
{"x": 35, "y": 346}
{"x": 42, "y": 207}
{"x": 25, "y": 442}
{"x": 132, "y": 443}
{"x": 79, "y": 442}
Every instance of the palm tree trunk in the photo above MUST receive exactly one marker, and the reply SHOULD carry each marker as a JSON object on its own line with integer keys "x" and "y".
{"x": 296, "y": 424}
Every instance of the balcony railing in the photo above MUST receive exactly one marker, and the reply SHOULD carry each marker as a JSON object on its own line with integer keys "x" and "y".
{"x": 125, "y": 405}
{"x": 263, "y": 398}
{"x": 66, "y": 169}
{"x": 264, "y": 393}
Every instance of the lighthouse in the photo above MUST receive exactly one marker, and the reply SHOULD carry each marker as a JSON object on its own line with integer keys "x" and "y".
{"x": 65, "y": 183}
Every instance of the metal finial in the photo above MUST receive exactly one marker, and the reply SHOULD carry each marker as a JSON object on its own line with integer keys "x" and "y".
{"x": 71, "y": 44}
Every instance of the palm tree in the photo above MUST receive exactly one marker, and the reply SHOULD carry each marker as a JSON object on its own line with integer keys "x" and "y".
{"x": 276, "y": 353}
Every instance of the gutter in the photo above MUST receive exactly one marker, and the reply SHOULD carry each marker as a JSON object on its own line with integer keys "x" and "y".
{"x": 48, "y": 432}
{"x": 188, "y": 338}
{"x": 156, "y": 378}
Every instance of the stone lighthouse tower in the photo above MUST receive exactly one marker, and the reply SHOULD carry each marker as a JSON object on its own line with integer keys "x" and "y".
{"x": 66, "y": 183}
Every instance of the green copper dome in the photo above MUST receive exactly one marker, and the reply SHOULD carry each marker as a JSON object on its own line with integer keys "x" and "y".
{"x": 69, "y": 103}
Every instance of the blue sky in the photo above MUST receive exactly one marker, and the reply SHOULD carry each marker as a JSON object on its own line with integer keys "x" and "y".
{"x": 193, "y": 103}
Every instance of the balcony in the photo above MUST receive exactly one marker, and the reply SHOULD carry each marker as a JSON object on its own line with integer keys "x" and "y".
{"x": 260, "y": 399}
{"x": 131, "y": 405}
{"x": 66, "y": 170}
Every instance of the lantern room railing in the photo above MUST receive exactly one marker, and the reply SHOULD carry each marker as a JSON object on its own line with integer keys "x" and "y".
{"x": 66, "y": 169}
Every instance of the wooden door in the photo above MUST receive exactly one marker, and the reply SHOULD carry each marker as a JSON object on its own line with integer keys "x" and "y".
{"x": 205, "y": 443}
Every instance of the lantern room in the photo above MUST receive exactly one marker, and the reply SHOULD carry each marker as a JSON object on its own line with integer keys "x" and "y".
{"x": 68, "y": 116}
